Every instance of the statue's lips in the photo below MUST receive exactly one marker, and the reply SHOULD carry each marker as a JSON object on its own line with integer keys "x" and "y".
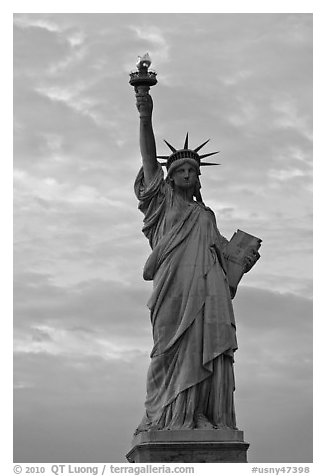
{"x": 186, "y": 185}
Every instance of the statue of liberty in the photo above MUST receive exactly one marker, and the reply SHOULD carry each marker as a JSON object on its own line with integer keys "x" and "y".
{"x": 190, "y": 381}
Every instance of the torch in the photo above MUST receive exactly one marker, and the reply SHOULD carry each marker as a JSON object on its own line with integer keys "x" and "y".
{"x": 143, "y": 79}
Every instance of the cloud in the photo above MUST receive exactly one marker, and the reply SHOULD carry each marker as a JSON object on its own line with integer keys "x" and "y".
{"x": 75, "y": 232}
{"x": 288, "y": 116}
{"x": 62, "y": 314}
{"x": 24, "y": 21}
{"x": 237, "y": 77}
{"x": 73, "y": 98}
{"x": 75, "y": 342}
{"x": 48, "y": 189}
{"x": 285, "y": 174}
{"x": 77, "y": 38}
{"x": 155, "y": 39}
{"x": 71, "y": 39}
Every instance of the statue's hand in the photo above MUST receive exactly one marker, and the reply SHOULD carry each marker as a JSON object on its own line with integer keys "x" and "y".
{"x": 250, "y": 260}
{"x": 144, "y": 104}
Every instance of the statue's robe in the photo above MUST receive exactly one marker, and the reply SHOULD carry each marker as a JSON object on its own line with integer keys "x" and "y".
{"x": 191, "y": 370}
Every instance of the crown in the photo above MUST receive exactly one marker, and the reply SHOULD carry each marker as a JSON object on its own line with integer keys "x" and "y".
{"x": 186, "y": 153}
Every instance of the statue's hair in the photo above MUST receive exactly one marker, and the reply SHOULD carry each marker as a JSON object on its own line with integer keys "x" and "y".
{"x": 179, "y": 162}
{"x": 197, "y": 193}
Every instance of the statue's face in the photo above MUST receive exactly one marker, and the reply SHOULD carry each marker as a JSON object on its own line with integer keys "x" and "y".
{"x": 185, "y": 176}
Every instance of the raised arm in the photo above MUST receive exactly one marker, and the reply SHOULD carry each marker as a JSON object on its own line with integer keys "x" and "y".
{"x": 144, "y": 104}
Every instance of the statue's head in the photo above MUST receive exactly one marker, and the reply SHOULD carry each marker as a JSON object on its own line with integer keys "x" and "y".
{"x": 184, "y": 174}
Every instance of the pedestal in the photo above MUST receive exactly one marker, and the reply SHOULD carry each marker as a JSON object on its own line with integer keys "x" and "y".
{"x": 189, "y": 446}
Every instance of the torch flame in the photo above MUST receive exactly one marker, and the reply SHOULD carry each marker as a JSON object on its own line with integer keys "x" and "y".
{"x": 144, "y": 61}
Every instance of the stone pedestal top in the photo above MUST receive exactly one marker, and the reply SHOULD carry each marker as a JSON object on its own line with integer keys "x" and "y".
{"x": 187, "y": 436}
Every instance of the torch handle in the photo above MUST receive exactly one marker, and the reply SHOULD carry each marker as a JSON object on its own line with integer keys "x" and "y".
{"x": 142, "y": 89}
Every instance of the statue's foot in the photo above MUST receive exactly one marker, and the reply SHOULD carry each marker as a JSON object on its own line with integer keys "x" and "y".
{"x": 203, "y": 423}
{"x": 154, "y": 428}
{"x": 144, "y": 426}
{"x": 223, "y": 426}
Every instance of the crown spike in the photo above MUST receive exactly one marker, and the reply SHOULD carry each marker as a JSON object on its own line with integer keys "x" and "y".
{"x": 203, "y": 164}
{"x": 186, "y": 142}
{"x": 170, "y": 146}
{"x": 200, "y": 146}
{"x": 207, "y": 155}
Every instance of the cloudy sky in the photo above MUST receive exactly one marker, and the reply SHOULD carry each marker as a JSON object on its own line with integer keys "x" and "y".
{"x": 82, "y": 330}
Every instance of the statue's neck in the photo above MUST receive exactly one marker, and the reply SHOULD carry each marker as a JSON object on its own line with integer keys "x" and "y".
{"x": 186, "y": 194}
